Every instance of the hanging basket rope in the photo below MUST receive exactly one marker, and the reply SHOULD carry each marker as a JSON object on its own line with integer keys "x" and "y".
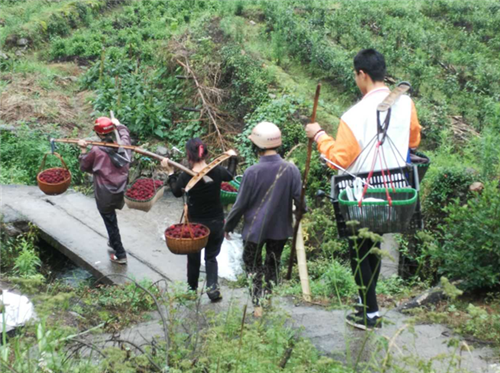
{"x": 144, "y": 204}
{"x": 190, "y": 245}
{"x": 389, "y": 198}
{"x": 53, "y": 188}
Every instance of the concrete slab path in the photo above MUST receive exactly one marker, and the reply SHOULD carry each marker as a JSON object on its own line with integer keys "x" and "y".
{"x": 72, "y": 224}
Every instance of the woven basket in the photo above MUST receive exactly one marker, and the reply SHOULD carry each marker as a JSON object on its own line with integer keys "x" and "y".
{"x": 53, "y": 189}
{"x": 227, "y": 198}
{"x": 380, "y": 217}
{"x": 184, "y": 246}
{"x": 143, "y": 205}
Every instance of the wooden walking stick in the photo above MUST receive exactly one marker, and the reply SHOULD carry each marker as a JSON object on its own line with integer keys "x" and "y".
{"x": 303, "y": 192}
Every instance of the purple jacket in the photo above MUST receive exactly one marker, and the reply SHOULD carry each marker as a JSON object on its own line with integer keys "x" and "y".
{"x": 110, "y": 181}
{"x": 265, "y": 200}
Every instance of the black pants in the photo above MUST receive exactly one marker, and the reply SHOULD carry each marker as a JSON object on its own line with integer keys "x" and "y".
{"x": 211, "y": 251}
{"x": 252, "y": 258}
{"x": 111, "y": 223}
{"x": 366, "y": 270}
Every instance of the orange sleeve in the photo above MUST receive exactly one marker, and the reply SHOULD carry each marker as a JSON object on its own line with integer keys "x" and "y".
{"x": 415, "y": 127}
{"x": 342, "y": 151}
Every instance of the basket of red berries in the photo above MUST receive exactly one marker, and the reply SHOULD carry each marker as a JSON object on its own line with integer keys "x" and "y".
{"x": 228, "y": 193}
{"x": 53, "y": 181}
{"x": 186, "y": 238}
{"x": 143, "y": 193}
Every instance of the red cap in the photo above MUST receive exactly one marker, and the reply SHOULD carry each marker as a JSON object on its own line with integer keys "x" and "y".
{"x": 103, "y": 125}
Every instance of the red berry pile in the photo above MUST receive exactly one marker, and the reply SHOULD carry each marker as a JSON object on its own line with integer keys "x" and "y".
{"x": 228, "y": 187}
{"x": 144, "y": 189}
{"x": 184, "y": 231}
{"x": 54, "y": 175}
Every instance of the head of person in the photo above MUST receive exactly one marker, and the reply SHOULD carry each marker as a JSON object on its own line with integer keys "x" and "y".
{"x": 196, "y": 150}
{"x": 369, "y": 68}
{"x": 104, "y": 128}
{"x": 265, "y": 136}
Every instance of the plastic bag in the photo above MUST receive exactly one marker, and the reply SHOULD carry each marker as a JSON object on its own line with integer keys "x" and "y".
{"x": 230, "y": 258}
{"x": 18, "y": 310}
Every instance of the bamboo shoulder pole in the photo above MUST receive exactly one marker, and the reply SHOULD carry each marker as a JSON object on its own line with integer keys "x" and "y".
{"x": 135, "y": 149}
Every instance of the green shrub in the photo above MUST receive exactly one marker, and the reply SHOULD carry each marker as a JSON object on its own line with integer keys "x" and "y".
{"x": 279, "y": 111}
{"x": 443, "y": 186}
{"x": 470, "y": 236}
{"x": 141, "y": 97}
{"x": 22, "y": 153}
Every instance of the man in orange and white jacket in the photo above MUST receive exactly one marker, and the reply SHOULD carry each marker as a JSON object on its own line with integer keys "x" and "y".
{"x": 357, "y": 128}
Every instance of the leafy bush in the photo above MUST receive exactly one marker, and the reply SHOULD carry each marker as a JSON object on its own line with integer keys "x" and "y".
{"x": 142, "y": 98}
{"x": 444, "y": 185}
{"x": 279, "y": 111}
{"x": 22, "y": 153}
{"x": 246, "y": 78}
{"x": 470, "y": 236}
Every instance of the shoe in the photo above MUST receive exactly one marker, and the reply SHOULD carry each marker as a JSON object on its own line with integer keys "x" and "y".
{"x": 214, "y": 295}
{"x": 359, "y": 321}
{"x": 117, "y": 260}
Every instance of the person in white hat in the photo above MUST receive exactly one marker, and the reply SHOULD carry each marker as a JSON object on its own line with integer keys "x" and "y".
{"x": 265, "y": 201}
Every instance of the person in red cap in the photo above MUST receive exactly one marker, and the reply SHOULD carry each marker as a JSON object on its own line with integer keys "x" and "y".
{"x": 110, "y": 167}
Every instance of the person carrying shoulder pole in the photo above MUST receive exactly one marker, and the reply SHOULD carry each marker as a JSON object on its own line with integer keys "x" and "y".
{"x": 110, "y": 168}
{"x": 265, "y": 201}
{"x": 358, "y": 126}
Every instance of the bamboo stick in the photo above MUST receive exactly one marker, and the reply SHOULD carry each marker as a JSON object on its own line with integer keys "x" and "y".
{"x": 303, "y": 192}
{"x": 137, "y": 150}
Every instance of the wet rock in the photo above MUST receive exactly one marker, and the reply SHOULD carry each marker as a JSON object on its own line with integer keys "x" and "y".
{"x": 252, "y": 23}
{"x": 22, "y": 42}
{"x": 19, "y": 53}
{"x": 161, "y": 150}
{"x": 476, "y": 187}
{"x": 10, "y": 230}
{"x": 3, "y": 56}
{"x": 5, "y": 128}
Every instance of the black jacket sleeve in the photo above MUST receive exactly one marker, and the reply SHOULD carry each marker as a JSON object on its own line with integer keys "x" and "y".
{"x": 177, "y": 183}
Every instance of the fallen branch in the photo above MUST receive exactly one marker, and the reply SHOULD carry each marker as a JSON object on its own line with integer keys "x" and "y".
{"x": 206, "y": 105}
{"x": 140, "y": 350}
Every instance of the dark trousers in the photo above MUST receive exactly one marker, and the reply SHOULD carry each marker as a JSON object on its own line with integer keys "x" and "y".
{"x": 111, "y": 223}
{"x": 252, "y": 258}
{"x": 366, "y": 270}
{"x": 211, "y": 251}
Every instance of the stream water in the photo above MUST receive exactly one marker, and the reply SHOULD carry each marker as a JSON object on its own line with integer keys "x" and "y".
{"x": 57, "y": 267}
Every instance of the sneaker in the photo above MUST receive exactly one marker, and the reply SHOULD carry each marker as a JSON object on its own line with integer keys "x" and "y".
{"x": 359, "y": 321}
{"x": 214, "y": 295}
{"x": 117, "y": 260}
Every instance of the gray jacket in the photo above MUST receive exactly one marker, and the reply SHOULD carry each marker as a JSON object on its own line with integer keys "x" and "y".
{"x": 265, "y": 199}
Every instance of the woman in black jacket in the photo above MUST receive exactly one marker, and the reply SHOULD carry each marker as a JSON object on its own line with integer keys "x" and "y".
{"x": 204, "y": 207}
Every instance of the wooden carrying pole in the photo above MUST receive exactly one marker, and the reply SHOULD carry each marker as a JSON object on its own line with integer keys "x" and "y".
{"x": 300, "y": 210}
{"x": 137, "y": 150}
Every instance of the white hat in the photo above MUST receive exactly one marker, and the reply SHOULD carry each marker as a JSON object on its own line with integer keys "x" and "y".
{"x": 266, "y": 135}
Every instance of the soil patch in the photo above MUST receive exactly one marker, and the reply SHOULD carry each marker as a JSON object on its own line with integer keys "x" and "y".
{"x": 34, "y": 97}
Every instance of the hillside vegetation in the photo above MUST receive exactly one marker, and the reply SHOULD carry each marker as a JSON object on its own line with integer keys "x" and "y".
{"x": 172, "y": 70}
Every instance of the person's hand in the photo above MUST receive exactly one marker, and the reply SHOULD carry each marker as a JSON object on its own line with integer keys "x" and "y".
{"x": 312, "y": 129}
{"x": 167, "y": 166}
{"x": 231, "y": 153}
{"x": 115, "y": 121}
{"x": 227, "y": 235}
{"x": 82, "y": 144}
